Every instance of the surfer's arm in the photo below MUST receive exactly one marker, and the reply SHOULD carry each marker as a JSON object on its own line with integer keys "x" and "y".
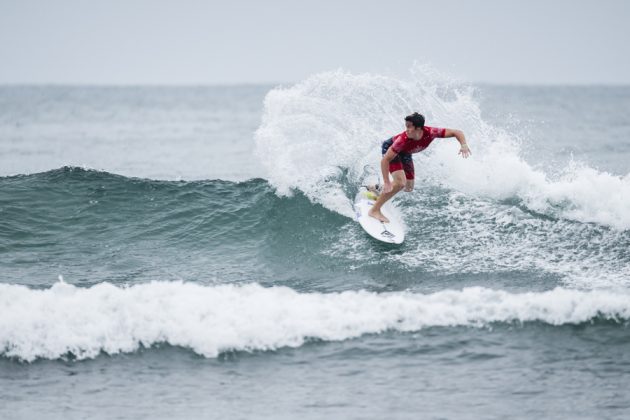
{"x": 459, "y": 135}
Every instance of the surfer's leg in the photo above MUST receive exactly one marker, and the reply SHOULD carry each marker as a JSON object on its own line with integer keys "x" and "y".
{"x": 397, "y": 185}
{"x": 376, "y": 189}
{"x": 407, "y": 163}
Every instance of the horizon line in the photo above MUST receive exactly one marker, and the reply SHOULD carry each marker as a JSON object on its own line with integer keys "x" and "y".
{"x": 274, "y": 84}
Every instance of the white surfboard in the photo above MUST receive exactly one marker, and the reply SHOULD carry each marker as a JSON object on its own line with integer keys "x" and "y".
{"x": 392, "y": 232}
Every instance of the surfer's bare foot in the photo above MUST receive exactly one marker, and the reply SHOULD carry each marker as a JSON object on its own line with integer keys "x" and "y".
{"x": 378, "y": 215}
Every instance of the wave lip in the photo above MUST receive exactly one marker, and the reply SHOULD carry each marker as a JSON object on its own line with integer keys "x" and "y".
{"x": 319, "y": 135}
{"x": 84, "y": 322}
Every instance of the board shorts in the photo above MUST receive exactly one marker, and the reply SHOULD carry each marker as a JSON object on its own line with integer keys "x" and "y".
{"x": 403, "y": 161}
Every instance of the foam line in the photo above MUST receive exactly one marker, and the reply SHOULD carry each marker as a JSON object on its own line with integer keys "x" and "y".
{"x": 84, "y": 322}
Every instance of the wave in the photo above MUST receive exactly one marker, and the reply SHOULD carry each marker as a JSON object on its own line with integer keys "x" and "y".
{"x": 318, "y": 136}
{"x": 71, "y": 203}
{"x": 105, "y": 218}
{"x": 65, "y": 320}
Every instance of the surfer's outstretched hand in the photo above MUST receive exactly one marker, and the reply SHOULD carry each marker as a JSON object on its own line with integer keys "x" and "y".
{"x": 465, "y": 151}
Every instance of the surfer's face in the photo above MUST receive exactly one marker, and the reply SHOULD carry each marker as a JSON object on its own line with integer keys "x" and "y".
{"x": 411, "y": 130}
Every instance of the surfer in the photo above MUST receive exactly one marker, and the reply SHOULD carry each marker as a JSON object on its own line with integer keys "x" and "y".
{"x": 397, "y": 159}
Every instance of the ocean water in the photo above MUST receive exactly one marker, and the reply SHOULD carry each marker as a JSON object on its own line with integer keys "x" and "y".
{"x": 190, "y": 252}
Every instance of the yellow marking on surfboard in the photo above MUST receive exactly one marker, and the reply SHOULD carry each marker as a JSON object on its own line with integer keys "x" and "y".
{"x": 370, "y": 195}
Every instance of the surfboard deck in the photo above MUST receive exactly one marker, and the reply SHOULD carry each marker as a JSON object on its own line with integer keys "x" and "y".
{"x": 392, "y": 232}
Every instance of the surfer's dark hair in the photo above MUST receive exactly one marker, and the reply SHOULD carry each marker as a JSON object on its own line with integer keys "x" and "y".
{"x": 416, "y": 119}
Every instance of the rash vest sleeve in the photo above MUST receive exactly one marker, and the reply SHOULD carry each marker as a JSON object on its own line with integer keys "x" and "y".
{"x": 399, "y": 142}
{"x": 437, "y": 133}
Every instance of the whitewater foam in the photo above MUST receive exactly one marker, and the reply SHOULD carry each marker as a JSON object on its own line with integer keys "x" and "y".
{"x": 458, "y": 234}
{"x": 315, "y": 131}
{"x": 86, "y": 322}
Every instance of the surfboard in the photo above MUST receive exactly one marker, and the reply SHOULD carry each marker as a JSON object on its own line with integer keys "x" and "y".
{"x": 392, "y": 232}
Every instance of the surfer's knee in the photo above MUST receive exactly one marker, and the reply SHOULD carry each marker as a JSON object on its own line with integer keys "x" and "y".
{"x": 409, "y": 185}
{"x": 398, "y": 185}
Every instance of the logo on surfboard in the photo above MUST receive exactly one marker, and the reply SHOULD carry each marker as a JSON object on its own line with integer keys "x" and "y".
{"x": 386, "y": 233}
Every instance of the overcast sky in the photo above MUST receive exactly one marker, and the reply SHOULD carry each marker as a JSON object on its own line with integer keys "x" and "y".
{"x": 271, "y": 41}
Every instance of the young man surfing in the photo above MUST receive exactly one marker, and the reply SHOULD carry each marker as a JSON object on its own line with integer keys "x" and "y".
{"x": 397, "y": 159}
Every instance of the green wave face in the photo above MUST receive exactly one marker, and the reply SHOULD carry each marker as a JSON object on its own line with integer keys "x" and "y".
{"x": 92, "y": 226}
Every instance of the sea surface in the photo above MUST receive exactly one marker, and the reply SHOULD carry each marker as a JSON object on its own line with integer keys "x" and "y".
{"x": 190, "y": 252}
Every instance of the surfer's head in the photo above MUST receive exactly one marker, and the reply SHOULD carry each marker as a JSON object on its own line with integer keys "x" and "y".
{"x": 414, "y": 122}
{"x": 416, "y": 119}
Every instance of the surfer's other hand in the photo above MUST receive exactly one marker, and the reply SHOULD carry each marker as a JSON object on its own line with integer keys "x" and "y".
{"x": 387, "y": 187}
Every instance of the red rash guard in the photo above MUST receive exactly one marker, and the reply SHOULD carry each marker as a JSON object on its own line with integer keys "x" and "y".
{"x": 403, "y": 144}
{"x": 404, "y": 147}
